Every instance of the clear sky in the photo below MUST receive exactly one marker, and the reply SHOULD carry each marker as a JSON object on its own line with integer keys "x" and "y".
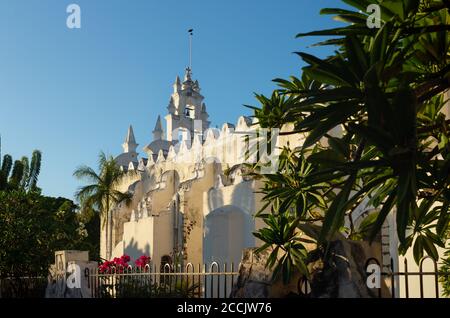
{"x": 72, "y": 93}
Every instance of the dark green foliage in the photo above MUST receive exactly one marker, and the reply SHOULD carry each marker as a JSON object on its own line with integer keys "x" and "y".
{"x": 16, "y": 175}
{"x": 23, "y": 176}
{"x": 26, "y": 172}
{"x": 445, "y": 278}
{"x": 5, "y": 170}
{"x": 32, "y": 228}
{"x": 35, "y": 169}
{"x": 385, "y": 88}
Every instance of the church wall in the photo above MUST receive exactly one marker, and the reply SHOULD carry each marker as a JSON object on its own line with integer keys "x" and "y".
{"x": 138, "y": 238}
{"x": 161, "y": 197}
{"x": 192, "y": 208}
{"x": 228, "y": 217}
{"x": 240, "y": 195}
{"x": 162, "y": 236}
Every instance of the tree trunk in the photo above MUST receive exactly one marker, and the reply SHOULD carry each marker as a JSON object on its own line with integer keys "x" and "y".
{"x": 108, "y": 230}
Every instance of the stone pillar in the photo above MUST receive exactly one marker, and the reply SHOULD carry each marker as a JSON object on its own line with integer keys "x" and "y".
{"x": 67, "y": 276}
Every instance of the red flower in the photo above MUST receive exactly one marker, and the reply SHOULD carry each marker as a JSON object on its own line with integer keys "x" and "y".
{"x": 120, "y": 263}
{"x": 142, "y": 261}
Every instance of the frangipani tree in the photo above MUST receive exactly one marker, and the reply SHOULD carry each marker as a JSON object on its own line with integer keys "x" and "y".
{"x": 385, "y": 88}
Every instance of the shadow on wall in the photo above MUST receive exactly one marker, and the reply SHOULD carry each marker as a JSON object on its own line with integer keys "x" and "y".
{"x": 242, "y": 196}
{"x": 134, "y": 251}
{"x": 228, "y": 230}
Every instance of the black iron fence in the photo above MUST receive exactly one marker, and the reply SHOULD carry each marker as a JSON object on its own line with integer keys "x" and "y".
{"x": 23, "y": 287}
{"x": 189, "y": 281}
{"x": 398, "y": 281}
{"x": 395, "y": 280}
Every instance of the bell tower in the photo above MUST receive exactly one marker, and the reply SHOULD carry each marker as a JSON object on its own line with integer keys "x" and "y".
{"x": 187, "y": 115}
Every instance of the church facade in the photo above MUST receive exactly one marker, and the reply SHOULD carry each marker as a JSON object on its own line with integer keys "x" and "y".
{"x": 191, "y": 196}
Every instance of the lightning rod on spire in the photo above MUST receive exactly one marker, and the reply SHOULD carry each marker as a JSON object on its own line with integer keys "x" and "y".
{"x": 191, "y": 33}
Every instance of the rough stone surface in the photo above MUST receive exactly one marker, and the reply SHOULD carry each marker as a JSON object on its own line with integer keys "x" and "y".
{"x": 255, "y": 280}
{"x": 342, "y": 276}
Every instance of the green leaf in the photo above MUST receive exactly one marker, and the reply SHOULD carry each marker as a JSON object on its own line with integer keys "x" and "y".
{"x": 418, "y": 249}
{"x": 387, "y": 207}
{"x": 378, "y": 46}
{"x": 374, "y": 135}
{"x": 324, "y": 71}
{"x": 335, "y": 215}
{"x": 356, "y": 55}
{"x": 444, "y": 219}
{"x": 430, "y": 248}
{"x": 329, "y": 123}
{"x": 352, "y": 30}
{"x": 326, "y": 157}
{"x": 340, "y": 146}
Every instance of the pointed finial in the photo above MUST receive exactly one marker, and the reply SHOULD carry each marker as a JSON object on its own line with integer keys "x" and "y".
{"x": 157, "y": 132}
{"x": 158, "y": 126}
{"x": 177, "y": 84}
{"x": 188, "y": 74}
{"x": 197, "y": 86}
{"x": 130, "y": 136}
{"x": 171, "y": 106}
{"x": 130, "y": 144}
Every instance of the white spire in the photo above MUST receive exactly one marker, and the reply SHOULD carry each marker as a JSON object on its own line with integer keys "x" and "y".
{"x": 157, "y": 132}
{"x": 130, "y": 144}
{"x": 171, "y": 106}
{"x": 177, "y": 84}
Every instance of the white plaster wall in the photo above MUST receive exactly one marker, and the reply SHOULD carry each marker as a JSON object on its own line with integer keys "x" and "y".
{"x": 162, "y": 236}
{"x": 227, "y": 231}
{"x": 414, "y": 281}
{"x": 228, "y": 222}
{"x": 241, "y": 195}
{"x": 138, "y": 238}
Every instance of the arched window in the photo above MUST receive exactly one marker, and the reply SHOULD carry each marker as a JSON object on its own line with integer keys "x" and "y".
{"x": 190, "y": 112}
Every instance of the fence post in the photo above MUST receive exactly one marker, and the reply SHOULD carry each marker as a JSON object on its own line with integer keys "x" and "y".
{"x": 406, "y": 279}
{"x": 421, "y": 276}
{"x": 392, "y": 278}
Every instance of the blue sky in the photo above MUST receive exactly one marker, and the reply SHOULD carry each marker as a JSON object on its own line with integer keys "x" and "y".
{"x": 73, "y": 93}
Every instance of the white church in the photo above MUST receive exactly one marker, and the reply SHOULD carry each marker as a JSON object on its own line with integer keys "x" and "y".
{"x": 191, "y": 197}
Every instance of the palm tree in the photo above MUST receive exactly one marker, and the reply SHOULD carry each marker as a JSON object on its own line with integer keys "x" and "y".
{"x": 102, "y": 194}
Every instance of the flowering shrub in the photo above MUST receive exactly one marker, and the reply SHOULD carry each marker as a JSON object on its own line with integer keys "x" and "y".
{"x": 142, "y": 261}
{"x": 119, "y": 263}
